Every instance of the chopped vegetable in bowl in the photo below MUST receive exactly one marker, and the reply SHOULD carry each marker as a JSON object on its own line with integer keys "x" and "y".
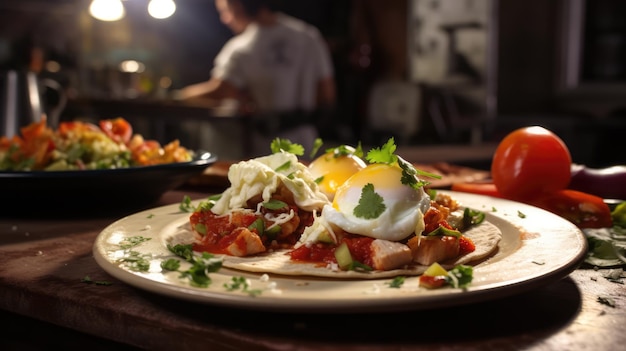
{"x": 80, "y": 145}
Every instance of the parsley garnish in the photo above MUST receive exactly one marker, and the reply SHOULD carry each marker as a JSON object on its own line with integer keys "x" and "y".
{"x": 316, "y": 146}
{"x": 460, "y": 276}
{"x": 88, "y": 280}
{"x": 279, "y": 144}
{"x": 605, "y": 300}
{"x": 386, "y": 155}
{"x": 241, "y": 283}
{"x": 132, "y": 241}
{"x": 370, "y": 205}
{"x": 185, "y": 204}
{"x": 345, "y": 150}
{"x": 136, "y": 261}
{"x": 202, "y": 265}
{"x": 397, "y": 282}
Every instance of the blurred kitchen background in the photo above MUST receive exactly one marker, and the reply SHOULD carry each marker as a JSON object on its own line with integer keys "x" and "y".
{"x": 453, "y": 76}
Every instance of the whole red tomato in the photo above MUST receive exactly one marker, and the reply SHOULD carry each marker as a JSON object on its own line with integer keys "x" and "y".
{"x": 530, "y": 161}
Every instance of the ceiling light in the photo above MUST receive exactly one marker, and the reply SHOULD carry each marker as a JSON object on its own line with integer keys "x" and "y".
{"x": 161, "y": 8}
{"x": 107, "y": 10}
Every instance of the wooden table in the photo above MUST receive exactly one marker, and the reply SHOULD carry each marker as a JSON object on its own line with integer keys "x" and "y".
{"x": 45, "y": 303}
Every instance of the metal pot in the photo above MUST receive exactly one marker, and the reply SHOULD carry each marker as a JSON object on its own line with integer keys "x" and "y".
{"x": 22, "y": 101}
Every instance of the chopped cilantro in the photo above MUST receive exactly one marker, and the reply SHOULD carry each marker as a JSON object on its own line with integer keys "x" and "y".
{"x": 370, "y": 205}
{"x": 384, "y": 154}
{"x": 202, "y": 265}
{"x": 316, "y": 146}
{"x": 87, "y": 279}
{"x": 242, "y": 283}
{"x": 345, "y": 150}
{"x": 520, "y": 214}
{"x": 397, "y": 282}
{"x": 460, "y": 276}
{"x": 185, "y": 204}
{"x": 132, "y": 241}
{"x": 208, "y": 203}
{"x": 409, "y": 175}
{"x": 279, "y": 144}
{"x": 137, "y": 261}
{"x": 606, "y": 301}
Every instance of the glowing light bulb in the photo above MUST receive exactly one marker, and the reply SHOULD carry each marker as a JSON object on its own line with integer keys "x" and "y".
{"x": 107, "y": 10}
{"x": 161, "y": 8}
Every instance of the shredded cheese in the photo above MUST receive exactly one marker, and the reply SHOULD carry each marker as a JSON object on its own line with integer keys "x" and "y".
{"x": 280, "y": 219}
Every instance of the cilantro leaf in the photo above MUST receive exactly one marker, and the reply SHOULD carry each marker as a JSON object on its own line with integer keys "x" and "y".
{"x": 370, "y": 205}
{"x": 346, "y": 150}
{"x": 185, "y": 204}
{"x": 460, "y": 276}
{"x": 279, "y": 144}
{"x": 384, "y": 154}
{"x": 202, "y": 265}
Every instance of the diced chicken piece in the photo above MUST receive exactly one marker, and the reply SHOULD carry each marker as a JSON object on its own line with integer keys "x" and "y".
{"x": 388, "y": 255}
{"x": 433, "y": 249}
{"x": 245, "y": 243}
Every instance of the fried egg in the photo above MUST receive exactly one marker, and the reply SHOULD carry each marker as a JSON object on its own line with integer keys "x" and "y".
{"x": 399, "y": 208}
{"x": 332, "y": 169}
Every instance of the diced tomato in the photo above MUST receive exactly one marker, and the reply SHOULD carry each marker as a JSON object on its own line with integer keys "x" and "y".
{"x": 584, "y": 210}
{"x": 75, "y": 126}
{"x": 481, "y": 188}
{"x": 466, "y": 245}
{"x": 317, "y": 253}
{"x": 432, "y": 282}
{"x": 117, "y": 129}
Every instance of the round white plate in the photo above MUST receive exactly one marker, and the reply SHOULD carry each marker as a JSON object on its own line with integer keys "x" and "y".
{"x": 537, "y": 247}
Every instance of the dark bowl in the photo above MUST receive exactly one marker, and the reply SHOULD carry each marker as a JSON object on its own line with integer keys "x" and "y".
{"x": 44, "y": 193}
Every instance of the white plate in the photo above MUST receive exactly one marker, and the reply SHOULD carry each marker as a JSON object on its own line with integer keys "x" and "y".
{"x": 537, "y": 247}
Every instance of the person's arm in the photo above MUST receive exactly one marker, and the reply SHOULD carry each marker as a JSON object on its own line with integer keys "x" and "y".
{"x": 211, "y": 90}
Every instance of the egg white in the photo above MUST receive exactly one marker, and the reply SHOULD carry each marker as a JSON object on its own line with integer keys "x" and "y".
{"x": 404, "y": 206}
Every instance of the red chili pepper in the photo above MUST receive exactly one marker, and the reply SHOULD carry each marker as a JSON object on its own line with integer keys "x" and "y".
{"x": 583, "y": 209}
{"x": 480, "y": 188}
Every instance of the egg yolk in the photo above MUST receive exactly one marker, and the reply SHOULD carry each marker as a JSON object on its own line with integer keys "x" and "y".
{"x": 402, "y": 213}
{"x": 334, "y": 171}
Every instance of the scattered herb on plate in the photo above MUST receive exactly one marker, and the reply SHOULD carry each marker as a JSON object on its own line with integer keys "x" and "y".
{"x": 201, "y": 265}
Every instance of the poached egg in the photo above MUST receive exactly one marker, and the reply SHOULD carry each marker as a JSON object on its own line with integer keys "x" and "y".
{"x": 334, "y": 167}
{"x": 374, "y": 203}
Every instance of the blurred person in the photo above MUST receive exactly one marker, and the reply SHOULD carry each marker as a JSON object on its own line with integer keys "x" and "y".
{"x": 277, "y": 67}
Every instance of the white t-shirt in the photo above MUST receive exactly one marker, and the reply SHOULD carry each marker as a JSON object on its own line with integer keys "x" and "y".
{"x": 279, "y": 65}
